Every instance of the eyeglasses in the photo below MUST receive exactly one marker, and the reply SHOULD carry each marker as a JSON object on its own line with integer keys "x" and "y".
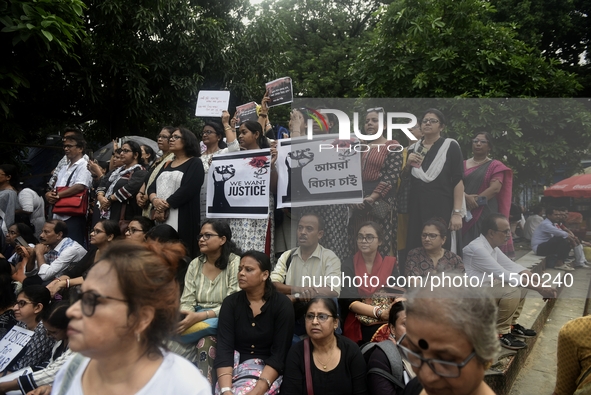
{"x": 321, "y": 317}
{"x": 163, "y": 137}
{"x": 507, "y": 232}
{"x": 476, "y": 141}
{"x": 430, "y": 236}
{"x": 97, "y": 231}
{"x": 22, "y": 303}
{"x": 208, "y": 132}
{"x": 133, "y": 230}
{"x": 69, "y": 146}
{"x": 125, "y": 150}
{"x": 89, "y": 300}
{"x": 206, "y": 236}
{"x": 367, "y": 238}
{"x": 175, "y": 137}
{"x": 439, "y": 367}
{"x": 430, "y": 120}
{"x": 375, "y": 109}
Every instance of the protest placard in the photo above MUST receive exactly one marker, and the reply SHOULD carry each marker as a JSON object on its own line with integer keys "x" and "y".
{"x": 246, "y": 112}
{"x": 280, "y": 91}
{"x": 212, "y": 103}
{"x": 12, "y": 343}
{"x": 321, "y": 171}
{"x": 238, "y": 185}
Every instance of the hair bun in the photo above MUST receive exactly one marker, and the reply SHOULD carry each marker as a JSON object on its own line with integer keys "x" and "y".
{"x": 169, "y": 253}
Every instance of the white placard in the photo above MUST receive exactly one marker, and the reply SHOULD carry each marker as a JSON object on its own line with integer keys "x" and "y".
{"x": 12, "y": 343}
{"x": 318, "y": 172}
{"x": 238, "y": 185}
{"x": 212, "y": 103}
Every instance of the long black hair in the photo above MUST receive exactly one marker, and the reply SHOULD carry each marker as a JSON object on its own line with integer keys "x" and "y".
{"x": 222, "y": 228}
{"x": 264, "y": 264}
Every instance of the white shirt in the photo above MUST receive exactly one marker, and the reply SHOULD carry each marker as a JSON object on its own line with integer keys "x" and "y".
{"x": 69, "y": 252}
{"x": 81, "y": 176}
{"x": 481, "y": 259}
{"x": 175, "y": 376}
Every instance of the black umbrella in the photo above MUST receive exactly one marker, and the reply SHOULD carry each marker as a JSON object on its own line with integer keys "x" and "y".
{"x": 104, "y": 154}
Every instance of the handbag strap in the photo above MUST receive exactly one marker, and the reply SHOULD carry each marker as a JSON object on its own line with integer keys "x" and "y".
{"x": 70, "y": 178}
{"x": 309, "y": 386}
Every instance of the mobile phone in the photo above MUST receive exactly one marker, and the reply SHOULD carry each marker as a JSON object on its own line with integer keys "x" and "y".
{"x": 21, "y": 242}
{"x": 481, "y": 200}
{"x": 421, "y": 151}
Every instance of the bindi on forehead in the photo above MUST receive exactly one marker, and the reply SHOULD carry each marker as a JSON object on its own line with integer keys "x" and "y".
{"x": 423, "y": 344}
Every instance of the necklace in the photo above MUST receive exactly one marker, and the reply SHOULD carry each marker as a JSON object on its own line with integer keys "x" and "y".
{"x": 482, "y": 161}
{"x": 329, "y": 353}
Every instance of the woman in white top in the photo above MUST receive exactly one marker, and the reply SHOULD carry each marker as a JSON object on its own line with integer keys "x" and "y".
{"x": 128, "y": 307}
{"x": 213, "y": 137}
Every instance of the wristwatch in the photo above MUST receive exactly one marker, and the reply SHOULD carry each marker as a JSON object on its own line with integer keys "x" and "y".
{"x": 225, "y": 389}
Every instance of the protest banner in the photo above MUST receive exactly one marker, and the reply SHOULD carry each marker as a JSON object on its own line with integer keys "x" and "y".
{"x": 246, "y": 112}
{"x": 238, "y": 185}
{"x": 321, "y": 171}
{"x": 212, "y": 103}
{"x": 280, "y": 91}
{"x": 12, "y": 343}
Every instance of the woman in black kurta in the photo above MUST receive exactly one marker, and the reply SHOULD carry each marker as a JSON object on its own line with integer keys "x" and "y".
{"x": 439, "y": 197}
{"x": 256, "y": 322}
{"x": 119, "y": 187}
{"x": 336, "y": 364}
{"x": 175, "y": 194}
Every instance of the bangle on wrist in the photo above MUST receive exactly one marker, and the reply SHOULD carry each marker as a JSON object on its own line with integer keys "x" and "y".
{"x": 67, "y": 283}
{"x": 266, "y": 381}
{"x": 227, "y": 128}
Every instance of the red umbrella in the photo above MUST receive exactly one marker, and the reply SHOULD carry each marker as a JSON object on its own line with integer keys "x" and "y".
{"x": 578, "y": 186}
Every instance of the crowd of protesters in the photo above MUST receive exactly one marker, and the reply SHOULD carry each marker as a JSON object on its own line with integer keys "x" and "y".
{"x": 166, "y": 300}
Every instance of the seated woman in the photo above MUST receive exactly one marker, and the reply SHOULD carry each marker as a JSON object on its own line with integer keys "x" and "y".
{"x": 369, "y": 309}
{"x": 210, "y": 278}
{"x": 450, "y": 341}
{"x": 101, "y": 236}
{"x": 432, "y": 257}
{"x": 255, "y": 329}
{"x": 55, "y": 322}
{"x": 334, "y": 362}
{"x": 30, "y": 303}
{"x": 127, "y": 310}
{"x": 385, "y": 351}
{"x": 138, "y": 227}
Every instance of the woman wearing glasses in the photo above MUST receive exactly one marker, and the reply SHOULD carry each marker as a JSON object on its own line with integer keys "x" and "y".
{"x": 333, "y": 362}
{"x": 432, "y": 258}
{"x": 210, "y": 278}
{"x": 380, "y": 165}
{"x": 118, "y": 188}
{"x": 369, "y": 307}
{"x": 128, "y": 308}
{"x": 213, "y": 137}
{"x": 162, "y": 139}
{"x": 450, "y": 341}
{"x": 436, "y": 189}
{"x": 173, "y": 194}
{"x": 255, "y": 329}
{"x": 101, "y": 236}
{"x": 137, "y": 228}
{"x": 30, "y": 303}
{"x": 488, "y": 184}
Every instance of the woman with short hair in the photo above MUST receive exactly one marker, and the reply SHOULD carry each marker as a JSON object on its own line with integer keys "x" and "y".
{"x": 127, "y": 310}
{"x": 450, "y": 341}
{"x": 333, "y": 362}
